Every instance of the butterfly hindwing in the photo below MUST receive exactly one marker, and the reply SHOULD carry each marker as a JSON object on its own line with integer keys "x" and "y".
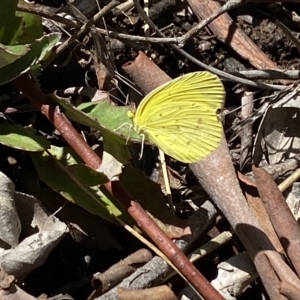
{"x": 180, "y": 117}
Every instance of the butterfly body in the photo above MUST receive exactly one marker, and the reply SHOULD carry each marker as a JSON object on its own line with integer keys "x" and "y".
{"x": 180, "y": 117}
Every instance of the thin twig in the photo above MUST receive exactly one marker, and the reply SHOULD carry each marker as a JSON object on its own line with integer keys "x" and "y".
{"x": 135, "y": 38}
{"x": 268, "y": 74}
{"x": 86, "y": 26}
{"x": 205, "y": 249}
{"x": 228, "y": 76}
{"x": 202, "y": 65}
{"x": 288, "y": 182}
{"x": 231, "y": 4}
{"x": 46, "y": 14}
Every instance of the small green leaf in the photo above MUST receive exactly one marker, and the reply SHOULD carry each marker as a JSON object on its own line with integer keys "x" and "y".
{"x": 8, "y": 54}
{"x": 103, "y": 116}
{"x": 100, "y": 115}
{"x": 113, "y": 118}
{"x": 18, "y": 137}
{"x": 30, "y": 29}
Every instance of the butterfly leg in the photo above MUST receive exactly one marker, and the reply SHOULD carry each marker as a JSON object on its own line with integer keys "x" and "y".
{"x": 116, "y": 129}
{"x": 142, "y": 147}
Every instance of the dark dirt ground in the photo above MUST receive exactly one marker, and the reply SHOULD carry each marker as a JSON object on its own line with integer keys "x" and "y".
{"x": 66, "y": 270}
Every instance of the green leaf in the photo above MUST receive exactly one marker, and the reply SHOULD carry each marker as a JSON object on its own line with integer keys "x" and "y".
{"x": 56, "y": 169}
{"x": 18, "y": 137}
{"x": 112, "y": 118}
{"x": 17, "y": 28}
{"x": 100, "y": 115}
{"x": 8, "y": 54}
{"x": 37, "y": 51}
{"x": 30, "y": 29}
{"x": 86, "y": 175}
{"x": 103, "y": 116}
{"x": 9, "y": 23}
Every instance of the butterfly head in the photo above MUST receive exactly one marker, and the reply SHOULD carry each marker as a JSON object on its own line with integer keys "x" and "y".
{"x": 131, "y": 115}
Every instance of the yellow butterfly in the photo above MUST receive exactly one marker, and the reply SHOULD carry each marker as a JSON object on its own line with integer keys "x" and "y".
{"x": 180, "y": 116}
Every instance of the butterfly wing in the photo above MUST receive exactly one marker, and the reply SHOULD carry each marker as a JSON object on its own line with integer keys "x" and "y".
{"x": 180, "y": 117}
